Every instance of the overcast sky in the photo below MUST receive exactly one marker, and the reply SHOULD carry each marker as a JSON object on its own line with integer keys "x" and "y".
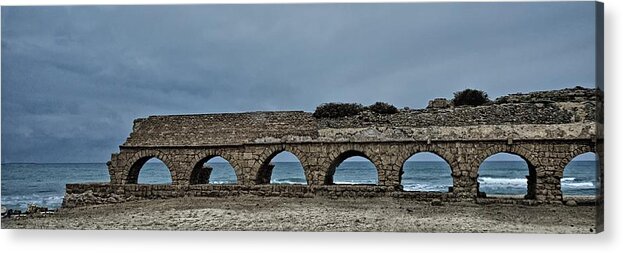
{"x": 74, "y": 78}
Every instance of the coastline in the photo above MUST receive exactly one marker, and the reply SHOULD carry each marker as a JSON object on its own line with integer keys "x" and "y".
{"x": 316, "y": 214}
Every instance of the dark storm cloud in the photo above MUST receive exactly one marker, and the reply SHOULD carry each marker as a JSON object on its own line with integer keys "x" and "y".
{"x": 74, "y": 78}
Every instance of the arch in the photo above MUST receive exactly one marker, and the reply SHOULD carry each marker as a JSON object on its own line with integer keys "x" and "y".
{"x": 517, "y": 150}
{"x": 221, "y": 154}
{"x": 292, "y": 173}
{"x": 580, "y": 175}
{"x": 501, "y": 174}
{"x": 220, "y": 171}
{"x": 578, "y": 150}
{"x": 142, "y": 172}
{"x": 426, "y": 171}
{"x": 347, "y": 155}
{"x": 138, "y": 159}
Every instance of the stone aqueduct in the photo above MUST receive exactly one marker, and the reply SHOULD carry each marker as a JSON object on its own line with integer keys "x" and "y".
{"x": 547, "y": 129}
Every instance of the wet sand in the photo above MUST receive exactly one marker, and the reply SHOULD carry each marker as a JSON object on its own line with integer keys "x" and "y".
{"x": 316, "y": 214}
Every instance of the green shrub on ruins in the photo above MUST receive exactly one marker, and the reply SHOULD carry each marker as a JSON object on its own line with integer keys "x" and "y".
{"x": 337, "y": 110}
{"x": 470, "y": 97}
{"x": 382, "y": 108}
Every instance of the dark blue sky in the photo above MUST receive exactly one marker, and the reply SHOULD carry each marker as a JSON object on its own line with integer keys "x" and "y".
{"x": 74, "y": 78}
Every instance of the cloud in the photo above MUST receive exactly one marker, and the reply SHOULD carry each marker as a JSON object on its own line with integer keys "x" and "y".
{"x": 74, "y": 78}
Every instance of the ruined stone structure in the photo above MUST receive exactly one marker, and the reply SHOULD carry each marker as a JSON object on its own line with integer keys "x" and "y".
{"x": 547, "y": 129}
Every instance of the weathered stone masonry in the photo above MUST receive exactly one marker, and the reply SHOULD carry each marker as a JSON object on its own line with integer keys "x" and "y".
{"x": 547, "y": 129}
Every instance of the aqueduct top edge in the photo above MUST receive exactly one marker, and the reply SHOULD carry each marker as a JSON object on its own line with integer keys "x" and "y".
{"x": 565, "y": 114}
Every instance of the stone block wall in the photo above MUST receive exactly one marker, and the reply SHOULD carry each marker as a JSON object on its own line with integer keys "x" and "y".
{"x": 94, "y": 194}
{"x": 546, "y": 160}
{"x": 78, "y": 195}
{"x": 220, "y": 129}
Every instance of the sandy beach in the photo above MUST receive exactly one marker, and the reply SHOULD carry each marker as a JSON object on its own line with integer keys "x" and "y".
{"x": 316, "y": 214}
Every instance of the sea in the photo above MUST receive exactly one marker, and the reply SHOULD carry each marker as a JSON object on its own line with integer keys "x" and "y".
{"x": 44, "y": 184}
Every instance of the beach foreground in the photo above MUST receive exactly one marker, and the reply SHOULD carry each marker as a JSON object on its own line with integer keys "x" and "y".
{"x": 316, "y": 214}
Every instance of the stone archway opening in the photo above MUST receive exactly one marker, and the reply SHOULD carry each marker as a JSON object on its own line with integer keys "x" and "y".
{"x": 426, "y": 172}
{"x": 283, "y": 168}
{"x": 506, "y": 174}
{"x": 149, "y": 170}
{"x": 213, "y": 170}
{"x": 580, "y": 176}
{"x": 353, "y": 167}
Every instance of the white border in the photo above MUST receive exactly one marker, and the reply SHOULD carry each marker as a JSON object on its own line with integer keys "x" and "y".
{"x": 133, "y": 2}
{"x": 167, "y": 241}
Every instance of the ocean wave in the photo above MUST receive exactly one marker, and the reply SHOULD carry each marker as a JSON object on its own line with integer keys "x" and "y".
{"x": 571, "y": 183}
{"x": 356, "y": 182}
{"x": 22, "y": 201}
{"x": 579, "y": 185}
{"x": 222, "y": 182}
{"x": 290, "y": 180}
{"x": 425, "y": 187}
{"x": 503, "y": 181}
{"x": 568, "y": 182}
